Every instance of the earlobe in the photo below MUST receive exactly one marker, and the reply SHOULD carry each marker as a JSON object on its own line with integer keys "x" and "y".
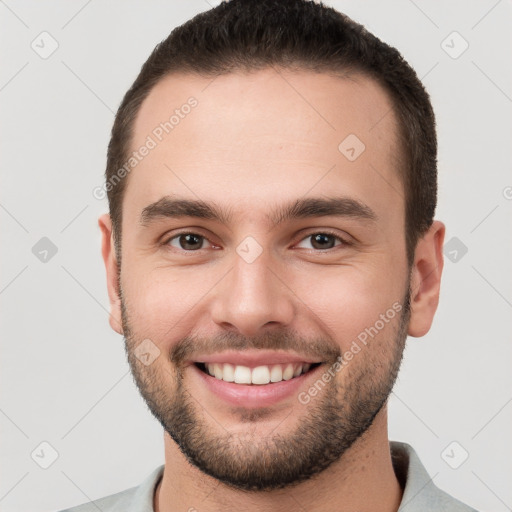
{"x": 426, "y": 279}
{"x": 111, "y": 267}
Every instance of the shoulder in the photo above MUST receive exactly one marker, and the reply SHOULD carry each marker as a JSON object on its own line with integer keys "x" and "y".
{"x": 134, "y": 499}
{"x": 420, "y": 492}
{"x": 111, "y": 503}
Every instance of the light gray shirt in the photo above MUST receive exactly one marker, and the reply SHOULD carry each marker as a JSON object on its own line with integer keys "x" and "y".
{"x": 420, "y": 493}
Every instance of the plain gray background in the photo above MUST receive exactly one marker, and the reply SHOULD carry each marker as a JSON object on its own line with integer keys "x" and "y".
{"x": 64, "y": 378}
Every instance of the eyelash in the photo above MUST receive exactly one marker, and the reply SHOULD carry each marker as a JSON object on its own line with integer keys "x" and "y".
{"x": 323, "y": 232}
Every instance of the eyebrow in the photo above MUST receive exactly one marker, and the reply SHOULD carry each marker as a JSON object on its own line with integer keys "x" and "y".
{"x": 310, "y": 207}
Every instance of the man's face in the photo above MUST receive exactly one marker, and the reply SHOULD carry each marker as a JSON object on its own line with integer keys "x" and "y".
{"x": 290, "y": 291}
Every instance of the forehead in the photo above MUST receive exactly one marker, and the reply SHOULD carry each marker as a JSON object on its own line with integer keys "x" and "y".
{"x": 266, "y": 133}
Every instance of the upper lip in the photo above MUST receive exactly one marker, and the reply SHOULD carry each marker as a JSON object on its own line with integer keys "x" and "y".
{"x": 253, "y": 358}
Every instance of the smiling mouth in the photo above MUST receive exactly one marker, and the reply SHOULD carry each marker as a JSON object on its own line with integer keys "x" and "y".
{"x": 259, "y": 375}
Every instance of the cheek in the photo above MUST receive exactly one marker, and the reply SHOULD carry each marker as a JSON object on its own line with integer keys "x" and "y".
{"x": 353, "y": 305}
{"x": 161, "y": 302}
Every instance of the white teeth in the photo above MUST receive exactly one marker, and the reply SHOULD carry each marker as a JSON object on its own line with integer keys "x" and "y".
{"x": 228, "y": 373}
{"x": 242, "y": 375}
{"x": 276, "y": 374}
{"x": 288, "y": 372}
{"x": 259, "y": 375}
{"x": 217, "y": 371}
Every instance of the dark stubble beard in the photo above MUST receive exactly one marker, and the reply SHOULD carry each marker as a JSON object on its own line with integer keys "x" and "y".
{"x": 332, "y": 421}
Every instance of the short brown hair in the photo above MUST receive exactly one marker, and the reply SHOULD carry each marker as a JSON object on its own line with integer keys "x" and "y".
{"x": 294, "y": 34}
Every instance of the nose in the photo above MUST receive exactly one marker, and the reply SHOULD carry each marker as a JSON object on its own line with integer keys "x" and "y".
{"x": 253, "y": 296}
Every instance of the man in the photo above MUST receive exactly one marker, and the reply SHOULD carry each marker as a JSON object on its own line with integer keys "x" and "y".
{"x": 272, "y": 184}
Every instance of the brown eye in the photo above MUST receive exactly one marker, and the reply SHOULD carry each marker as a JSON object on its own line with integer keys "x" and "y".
{"x": 323, "y": 240}
{"x": 187, "y": 241}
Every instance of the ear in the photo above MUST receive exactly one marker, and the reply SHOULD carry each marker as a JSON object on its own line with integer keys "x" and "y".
{"x": 109, "y": 258}
{"x": 426, "y": 279}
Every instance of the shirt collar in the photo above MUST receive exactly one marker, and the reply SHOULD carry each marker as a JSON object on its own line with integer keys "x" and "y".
{"x": 419, "y": 490}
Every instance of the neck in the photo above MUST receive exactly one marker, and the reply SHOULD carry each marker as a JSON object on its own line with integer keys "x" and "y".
{"x": 363, "y": 480}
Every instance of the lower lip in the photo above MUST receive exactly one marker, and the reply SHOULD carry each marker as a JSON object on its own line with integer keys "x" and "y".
{"x": 252, "y": 396}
